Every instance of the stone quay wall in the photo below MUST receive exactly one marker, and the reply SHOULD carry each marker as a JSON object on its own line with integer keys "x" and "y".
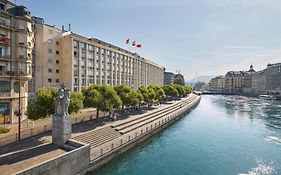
{"x": 69, "y": 163}
{"x": 100, "y": 155}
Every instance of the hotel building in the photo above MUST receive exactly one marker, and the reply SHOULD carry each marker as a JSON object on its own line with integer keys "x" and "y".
{"x": 16, "y": 56}
{"x": 65, "y": 57}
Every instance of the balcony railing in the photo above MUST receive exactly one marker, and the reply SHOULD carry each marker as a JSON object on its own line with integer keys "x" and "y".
{"x": 5, "y": 40}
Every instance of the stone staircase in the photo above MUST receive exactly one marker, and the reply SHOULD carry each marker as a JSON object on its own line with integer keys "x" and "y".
{"x": 98, "y": 137}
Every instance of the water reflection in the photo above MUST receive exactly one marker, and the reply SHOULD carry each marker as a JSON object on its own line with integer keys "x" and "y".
{"x": 267, "y": 110}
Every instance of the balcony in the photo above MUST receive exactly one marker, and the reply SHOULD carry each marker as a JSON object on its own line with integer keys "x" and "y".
{"x": 14, "y": 75}
{"x": 4, "y": 40}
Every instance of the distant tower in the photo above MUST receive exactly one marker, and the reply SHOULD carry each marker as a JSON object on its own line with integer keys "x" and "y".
{"x": 251, "y": 69}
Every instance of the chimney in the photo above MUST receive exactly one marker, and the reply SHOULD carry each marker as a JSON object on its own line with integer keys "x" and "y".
{"x": 62, "y": 28}
{"x": 69, "y": 27}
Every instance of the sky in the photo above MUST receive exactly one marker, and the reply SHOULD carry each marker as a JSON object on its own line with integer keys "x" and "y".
{"x": 203, "y": 37}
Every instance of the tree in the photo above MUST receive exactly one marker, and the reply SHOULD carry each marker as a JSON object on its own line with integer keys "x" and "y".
{"x": 151, "y": 96}
{"x": 123, "y": 92}
{"x": 102, "y": 97}
{"x": 180, "y": 89}
{"x": 44, "y": 104}
{"x": 179, "y": 79}
{"x": 76, "y": 102}
{"x": 160, "y": 94}
{"x": 144, "y": 91}
{"x": 170, "y": 90}
{"x": 187, "y": 89}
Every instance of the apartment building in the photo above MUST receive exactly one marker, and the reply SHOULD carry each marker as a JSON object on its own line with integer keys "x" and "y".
{"x": 234, "y": 81}
{"x": 273, "y": 78}
{"x": 92, "y": 61}
{"x": 168, "y": 77}
{"x": 217, "y": 83}
{"x": 47, "y": 55}
{"x": 16, "y": 56}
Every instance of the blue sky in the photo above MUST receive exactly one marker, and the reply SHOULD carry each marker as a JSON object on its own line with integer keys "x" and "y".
{"x": 209, "y": 37}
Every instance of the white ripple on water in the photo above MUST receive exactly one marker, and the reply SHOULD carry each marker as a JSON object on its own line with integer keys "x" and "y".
{"x": 273, "y": 139}
{"x": 261, "y": 169}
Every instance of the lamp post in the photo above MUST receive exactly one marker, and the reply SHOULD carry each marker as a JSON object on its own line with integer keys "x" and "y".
{"x": 19, "y": 114}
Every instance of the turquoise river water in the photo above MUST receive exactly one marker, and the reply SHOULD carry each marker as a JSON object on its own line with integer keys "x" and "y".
{"x": 223, "y": 135}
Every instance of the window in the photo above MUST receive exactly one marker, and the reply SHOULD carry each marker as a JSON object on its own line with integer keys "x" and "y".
{"x": 50, "y": 60}
{"x": 4, "y": 108}
{"x": 21, "y": 25}
{"x": 50, "y": 80}
{"x": 49, "y": 70}
{"x": 57, "y": 52}
{"x": 75, "y": 44}
{"x": 83, "y": 46}
{"x": 1, "y": 52}
{"x": 16, "y": 87}
{"x": 57, "y": 43}
{"x": 57, "y": 80}
{"x": 49, "y": 41}
{"x": 57, "y": 61}
{"x": 50, "y": 51}
{"x": 5, "y": 86}
{"x": 75, "y": 54}
{"x": 2, "y": 6}
{"x": 57, "y": 71}
{"x": 50, "y": 31}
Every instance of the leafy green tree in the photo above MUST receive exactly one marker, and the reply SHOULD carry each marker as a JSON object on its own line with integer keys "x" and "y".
{"x": 45, "y": 97}
{"x": 44, "y": 104}
{"x": 160, "y": 94}
{"x": 76, "y": 102}
{"x": 187, "y": 89}
{"x": 134, "y": 98}
{"x": 151, "y": 96}
{"x": 144, "y": 91}
{"x": 170, "y": 91}
{"x": 102, "y": 97}
{"x": 180, "y": 89}
{"x": 123, "y": 92}
{"x": 179, "y": 80}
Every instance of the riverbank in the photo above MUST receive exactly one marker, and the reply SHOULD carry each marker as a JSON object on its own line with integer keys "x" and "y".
{"x": 109, "y": 142}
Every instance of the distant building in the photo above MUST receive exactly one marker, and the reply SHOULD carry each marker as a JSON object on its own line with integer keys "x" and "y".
{"x": 234, "y": 81}
{"x": 248, "y": 83}
{"x": 16, "y": 58}
{"x": 217, "y": 83}
{"x": 168, "y": 77}
{"x": 273, "y": 78}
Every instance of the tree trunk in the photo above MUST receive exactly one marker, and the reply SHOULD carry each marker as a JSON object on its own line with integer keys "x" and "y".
{"x": 98, "y": 111}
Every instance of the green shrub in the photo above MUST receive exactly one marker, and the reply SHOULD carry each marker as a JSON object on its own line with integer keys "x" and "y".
{"x": 3, "y": 130}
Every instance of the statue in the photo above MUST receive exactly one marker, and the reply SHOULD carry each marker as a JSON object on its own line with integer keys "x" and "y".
{"x": 61, "y": 120}
{"x": 62, "y": 101}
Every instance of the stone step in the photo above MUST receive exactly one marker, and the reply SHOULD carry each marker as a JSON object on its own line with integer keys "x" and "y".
{"x": 143, "y": 119}
{"x": 98, "y": 137}
{"x": 152, "y": 113}
{"x": 133, "y": 127}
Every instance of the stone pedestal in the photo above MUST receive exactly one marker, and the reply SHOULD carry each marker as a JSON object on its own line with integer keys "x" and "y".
{"x": 61, "y": 129}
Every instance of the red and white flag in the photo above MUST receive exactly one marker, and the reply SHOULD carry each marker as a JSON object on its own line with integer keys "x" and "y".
{"x": 138, "y": 45}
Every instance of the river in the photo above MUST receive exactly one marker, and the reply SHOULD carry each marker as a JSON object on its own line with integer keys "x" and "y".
{"x": 223, "y": 135}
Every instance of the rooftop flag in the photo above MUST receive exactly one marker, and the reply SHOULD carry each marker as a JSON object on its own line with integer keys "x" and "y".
{"x": 127, "y": 41}
{"x": 138, "y": 45}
